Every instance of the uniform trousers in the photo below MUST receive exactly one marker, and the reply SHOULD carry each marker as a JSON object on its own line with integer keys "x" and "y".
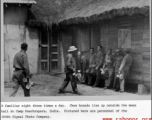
{"x": 17, "y": 81}
{"x": 109, "y": 81}
{"x": 69, "y": 77}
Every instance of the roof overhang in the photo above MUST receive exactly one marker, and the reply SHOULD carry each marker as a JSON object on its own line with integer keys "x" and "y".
{"x": 20, "y": 1}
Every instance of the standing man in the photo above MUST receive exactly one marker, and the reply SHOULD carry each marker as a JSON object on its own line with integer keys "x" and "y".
{"x": 108, "y": 67}
{"x": 125, "y": 68}
{"x": 81, "y": 66}
{"x": 92, "y": 64}
{"x": 70, "y": 70}
{"x": 99, "y": 64}
{"x": 21, "y": 72}
{"x": 116, "y": 65}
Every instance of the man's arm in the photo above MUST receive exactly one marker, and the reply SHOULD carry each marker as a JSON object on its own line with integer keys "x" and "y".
{"x": 122, "y": 64}
{"x": 69, "y": 63}
{"x": 101, "y": 60}
{"x": 26, "y": 65}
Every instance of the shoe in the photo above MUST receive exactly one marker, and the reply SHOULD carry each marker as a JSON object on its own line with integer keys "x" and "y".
{"x": 108, "y": 87}
{"x": 77, "y": 93}
{"x": 116, "y": 90}
{"x": 60, "y": 91}
{"x": 105, "y": 87}
{"x": 121, "y": 91}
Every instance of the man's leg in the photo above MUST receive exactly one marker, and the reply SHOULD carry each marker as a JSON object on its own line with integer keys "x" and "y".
{"x": 23, "y": 84}
{"x": 125, "y": 74}
{"x": 65, "y": 83}
{"x": 90, "y": 77}
{"x": 107, "y": 81}
{"x": 15, "y": 87}
{"x": 73, "y": 83}
{"x": 87, "y": 74}
{"x": 115, "y": 80}
{"x": 111, "y": 70}
{"x": 98, "y": 78}
{"x": 116, "y": 85}
{"x": 122, "y": 85}
{"x": 83, "y": 79}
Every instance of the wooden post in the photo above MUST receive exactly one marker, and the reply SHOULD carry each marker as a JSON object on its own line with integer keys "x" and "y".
{"x": 142, "y": 89}
{"x": 9, "y": 68}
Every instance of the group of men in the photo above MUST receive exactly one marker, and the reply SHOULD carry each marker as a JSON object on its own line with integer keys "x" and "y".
{"x": 100, "y": 70}
{"x": 109, "y": 71}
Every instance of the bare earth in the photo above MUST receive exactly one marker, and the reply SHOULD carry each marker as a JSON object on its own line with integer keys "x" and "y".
{"x": 47, "y": 85}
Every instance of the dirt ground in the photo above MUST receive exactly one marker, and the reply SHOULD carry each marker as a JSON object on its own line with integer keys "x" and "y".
{"x": 47, "y": 85}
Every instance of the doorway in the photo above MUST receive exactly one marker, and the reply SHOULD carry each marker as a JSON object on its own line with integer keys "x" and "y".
{"x": 44, "y": 51}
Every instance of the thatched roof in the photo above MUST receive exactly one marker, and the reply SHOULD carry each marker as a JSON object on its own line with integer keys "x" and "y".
{"x": 92, "y": 10}
{"x": 86, "y": 11}
{"x": 20, "y": 1}
{"x": 47, "y": 12}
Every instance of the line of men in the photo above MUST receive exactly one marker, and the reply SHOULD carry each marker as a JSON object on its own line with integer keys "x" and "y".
{"x": 91, "y": 74}
{"x": 112, "y": 65}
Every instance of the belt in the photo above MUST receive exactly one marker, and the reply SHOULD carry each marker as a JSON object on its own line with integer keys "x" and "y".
{"x": 17, "y": 69}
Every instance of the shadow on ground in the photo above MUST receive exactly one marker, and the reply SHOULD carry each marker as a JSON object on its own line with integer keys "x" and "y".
{"x": 47, "y": 85}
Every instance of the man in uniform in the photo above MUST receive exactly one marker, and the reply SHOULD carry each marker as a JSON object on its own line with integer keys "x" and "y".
{"x": 21, "y": 71}
{"x": 108, "y": 67}
{"x": 125, "y": 68}
{"x": 92, "y": 64}
{"x": 99, "y": 64}
{"x": 81, "y": 66}
{"x": 116, "y": 65}
{"x": 70, "y": 70}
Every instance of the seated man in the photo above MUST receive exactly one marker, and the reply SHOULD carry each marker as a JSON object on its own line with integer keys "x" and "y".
{"x": 81, "y": 66}
{"x": 125, "y": 68}
{"x": 99, "y": 64}
{"x": 116, "y": 65}
{"x": 108, "y": 67}
{"x": 91, "y": 71}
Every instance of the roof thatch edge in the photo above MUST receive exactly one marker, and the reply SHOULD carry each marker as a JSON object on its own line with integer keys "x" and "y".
{"x": 108, "y": 15}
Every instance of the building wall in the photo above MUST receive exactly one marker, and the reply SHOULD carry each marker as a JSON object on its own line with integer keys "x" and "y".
{"x": 15, "y": 33}
{"x": 138, "y": 39}
{"x": 146, "y": 52}
{"x": 65, "y": 42}
{"x": 140, "y": 44}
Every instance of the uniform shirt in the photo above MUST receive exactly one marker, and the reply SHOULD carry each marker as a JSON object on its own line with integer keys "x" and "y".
{"x": 81, "y": 63}
{"x": 117, "y": 62}
{"x": 92, "y": 60}
{"x": 21, "y": 62}
{"x": 99, "y": 59}
{"x": 126, "y": 62}
{"x": 109, "y": 60}
{"x": 71, "y": 63}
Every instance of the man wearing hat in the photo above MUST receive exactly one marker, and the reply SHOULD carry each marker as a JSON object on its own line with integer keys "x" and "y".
{"x": 125, "y": 68}
{"x": 70, "y": 70}
{"x": 117, "y": 63}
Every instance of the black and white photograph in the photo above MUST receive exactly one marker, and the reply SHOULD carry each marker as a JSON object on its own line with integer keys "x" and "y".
{"x": 76, "y": 48}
